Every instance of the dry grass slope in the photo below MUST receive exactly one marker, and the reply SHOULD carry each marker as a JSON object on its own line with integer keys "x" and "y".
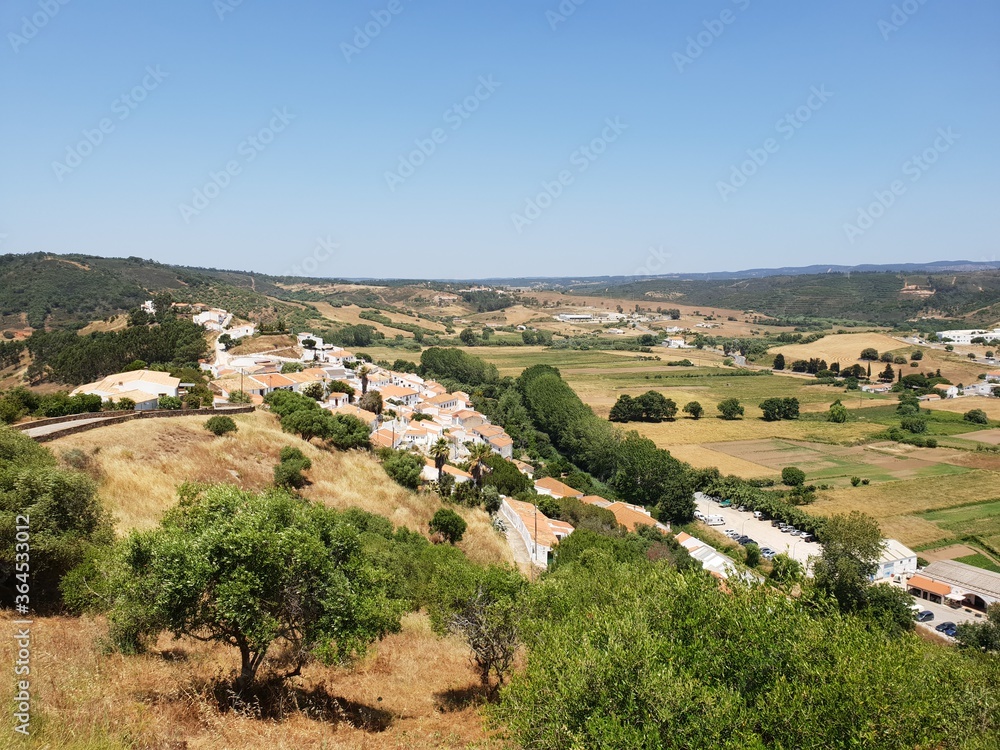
{"x": 140, "y": 465}
{"x": 407, "y": 692}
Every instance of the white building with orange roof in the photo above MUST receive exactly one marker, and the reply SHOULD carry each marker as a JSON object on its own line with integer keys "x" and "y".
{"x": 628, "y": 515}
{"x": 430, "y": 473}
{"x": 151, "y": 383}
{"x": 406, "y": 396}
{"x": 370, "y": 418}
{"x": 554, "y": 488}
{"x": 540, "y": 534}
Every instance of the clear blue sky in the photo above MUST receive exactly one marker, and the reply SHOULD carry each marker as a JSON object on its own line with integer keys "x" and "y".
{"x": 685, "y": 125}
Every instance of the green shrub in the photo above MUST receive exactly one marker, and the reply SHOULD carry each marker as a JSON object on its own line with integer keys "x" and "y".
{"x": 220, "y": 425}
{"x": 976, "y": 416}
{"x": 449, "y": 524}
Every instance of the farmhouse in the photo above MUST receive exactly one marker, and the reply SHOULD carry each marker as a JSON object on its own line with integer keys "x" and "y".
{"x": 965, "y": 336}
{"x": 876, "y": 387}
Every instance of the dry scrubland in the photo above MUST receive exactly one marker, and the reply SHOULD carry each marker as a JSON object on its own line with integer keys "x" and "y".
{"x": 140, "y": 465}
{"x": 413, "y": 690}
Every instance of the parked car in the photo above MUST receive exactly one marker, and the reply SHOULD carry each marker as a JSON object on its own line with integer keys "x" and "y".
{"x": 767, "y": 553}
{"x": 746, "y": 541}
{"x": 742, "y": 508}
{"x": 925, "y": 616}
{"x": 788, "y": 530}
{"x": 952, "y": 631}
{"x": 757, "y": 514}
{"x": 731, "y": 533}
{"x": 806, "y": 537}
{"x": 946, "y": 626}
{"x": 699, "y": 515}
{"x": 776, "y": 523}
{"x": 726, "y": 504}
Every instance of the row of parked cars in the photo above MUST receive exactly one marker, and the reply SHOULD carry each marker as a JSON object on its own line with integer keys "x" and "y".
{"x": 947, "y": 628}
{"x": 766, "y": 552}
{"x": 787, "y": 528}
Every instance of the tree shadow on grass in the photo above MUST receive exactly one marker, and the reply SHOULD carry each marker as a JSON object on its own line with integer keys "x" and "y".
{"x": 458, "y": 699}
{"x": 275, "y": 699}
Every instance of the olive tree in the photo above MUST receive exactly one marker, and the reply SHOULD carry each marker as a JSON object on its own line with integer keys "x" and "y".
{"x": 252, "y": 571}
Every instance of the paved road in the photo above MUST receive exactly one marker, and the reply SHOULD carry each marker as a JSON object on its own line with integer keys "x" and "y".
{"x": 762, "y": 532}
{"x": 49, "y": 429}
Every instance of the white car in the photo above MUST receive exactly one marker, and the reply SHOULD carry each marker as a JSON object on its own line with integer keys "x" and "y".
{"x": 699, "y": 515}
{"x": 731, "y": 533}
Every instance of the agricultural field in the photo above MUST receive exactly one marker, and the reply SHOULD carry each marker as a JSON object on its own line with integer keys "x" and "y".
{"x": 845, "y": 348}
{"x": 904, "y": 507}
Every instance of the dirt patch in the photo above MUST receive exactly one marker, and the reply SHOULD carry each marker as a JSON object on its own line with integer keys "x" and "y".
{"x": 951, "y": 552}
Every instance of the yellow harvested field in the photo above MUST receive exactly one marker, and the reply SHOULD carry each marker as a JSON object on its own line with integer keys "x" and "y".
{"x": 258, "y": 344}
{"x": 704, "y": 457}
{"x": 888, "y": 499}
{"x": 912, "y": 530}
{"x": 713, "y": 430}
{"x": 117, "y": 323}
{"x": 961, "y": 405}
{"x": 141, "y": 463}
{"x": 842, "y": 347}
{"x": 351, "y": 315}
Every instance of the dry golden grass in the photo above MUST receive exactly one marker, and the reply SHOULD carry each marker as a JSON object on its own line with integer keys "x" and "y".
{"x": 704, "y": 457}
{"x": 961, "y": 405}
{"x": 350, "y": 314}
{"x": 258, "y": 344}
{"x": 141, "y": 463}
{"x": 402, "y": 694}
{"x": 117, "y": 323}
{"x": 844, "y": 348}
{"x": 897, "y": 504}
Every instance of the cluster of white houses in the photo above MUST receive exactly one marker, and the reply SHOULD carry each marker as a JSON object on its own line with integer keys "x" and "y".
{"x": 417, "y": 412}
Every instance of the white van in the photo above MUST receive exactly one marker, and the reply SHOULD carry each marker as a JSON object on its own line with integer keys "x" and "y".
{"x": 715, "y": 521}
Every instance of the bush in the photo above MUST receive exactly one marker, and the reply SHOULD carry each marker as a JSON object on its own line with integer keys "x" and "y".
{"x": 855, "y": 481}
{"x": 793, "y": 476}
{"x": 915, "y": 425}
{"x": 168, "y": 402}
{"x": 403, "y": 468}
{"x": 220, "y": 425}
{"x": 449, "y": 524}
{"x": 976, "y": 416}
{"x": 288, "y": 473}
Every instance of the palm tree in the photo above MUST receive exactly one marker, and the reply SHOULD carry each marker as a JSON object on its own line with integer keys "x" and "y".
{"x": 478, "y": 453}
{"x": 363, "y": 374}
{"x": 439, "y": 452}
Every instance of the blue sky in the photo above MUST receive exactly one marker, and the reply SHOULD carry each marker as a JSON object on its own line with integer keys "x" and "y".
{"x": 453, "y": 139}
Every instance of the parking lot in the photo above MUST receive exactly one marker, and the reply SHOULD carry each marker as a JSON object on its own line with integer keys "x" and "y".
{"x": 761, "y": 532}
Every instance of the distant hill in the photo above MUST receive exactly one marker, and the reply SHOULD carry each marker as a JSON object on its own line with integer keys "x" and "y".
{"x": 69, "y": 290}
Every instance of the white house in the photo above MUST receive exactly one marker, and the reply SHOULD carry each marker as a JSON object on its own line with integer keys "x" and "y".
{"x": 897, "y": 559}
{"x": 142, "y": 386}
{"x": 213, "y": 319}
{"x": 241, "y": 331}
{"x": 539, "y": 533}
